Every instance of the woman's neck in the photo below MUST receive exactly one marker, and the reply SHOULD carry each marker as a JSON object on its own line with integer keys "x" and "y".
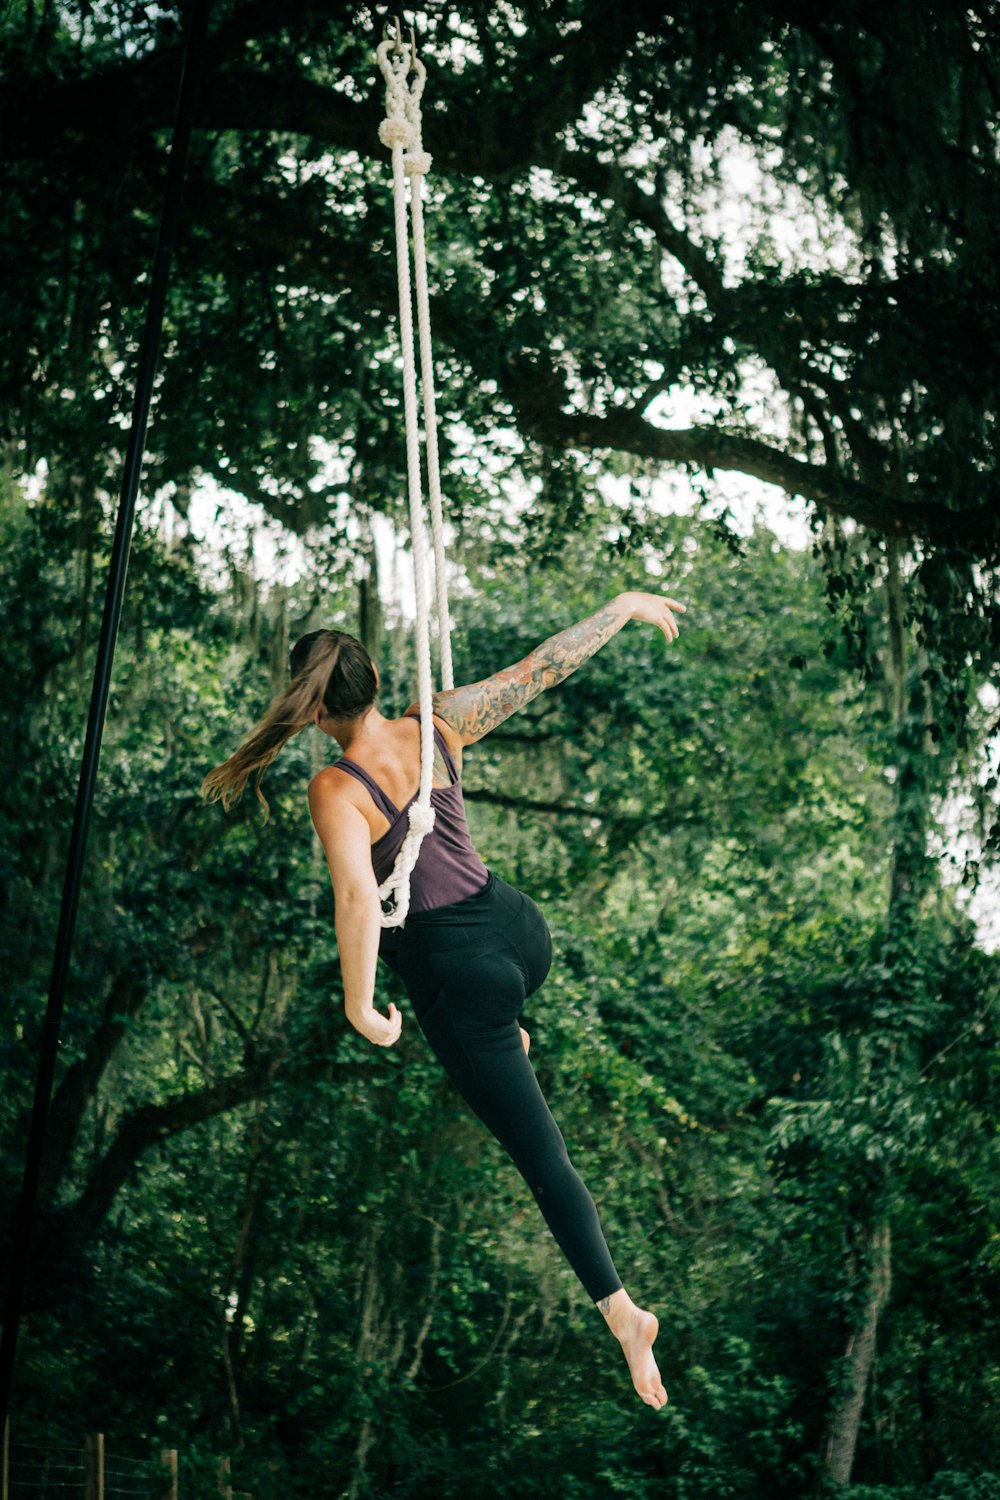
{"x": 356, "y": 734}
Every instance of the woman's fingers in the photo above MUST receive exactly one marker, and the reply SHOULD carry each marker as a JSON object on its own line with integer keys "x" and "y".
{"x": 671, "y": 629}
{"x": 656, "y": 609}
{"x": 395, "y": 1026}
{"x": 385, "y": 1032}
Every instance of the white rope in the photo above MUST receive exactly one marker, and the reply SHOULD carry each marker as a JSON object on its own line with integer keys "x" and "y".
{"x": 417, "y": 164}
{"x": 401, "y": 129}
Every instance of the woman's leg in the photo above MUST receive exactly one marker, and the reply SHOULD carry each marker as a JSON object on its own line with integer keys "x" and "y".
{"x": 468, "y": 969}
{"x": 489, "y": 1065}
{"x": 490, "y": 1068}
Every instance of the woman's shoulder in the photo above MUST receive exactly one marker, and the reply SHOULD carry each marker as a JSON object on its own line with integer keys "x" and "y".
{"x": 327, "y": 786}
{"x": 450, "y": 736}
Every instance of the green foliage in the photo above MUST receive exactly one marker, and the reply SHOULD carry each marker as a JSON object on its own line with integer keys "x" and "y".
{"x": 770, "y": 1034}
{"x": 747, "y": 1065}
{"x": 841, "y": 337}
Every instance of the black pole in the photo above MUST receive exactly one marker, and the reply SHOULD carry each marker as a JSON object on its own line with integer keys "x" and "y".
{"x": 195, "y": 32}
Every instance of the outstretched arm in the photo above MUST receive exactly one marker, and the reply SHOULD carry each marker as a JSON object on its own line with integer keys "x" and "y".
{"x": 474, "y": 710}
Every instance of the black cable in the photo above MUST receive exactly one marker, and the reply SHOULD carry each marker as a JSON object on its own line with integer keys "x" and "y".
{"x": 194, "y": 46}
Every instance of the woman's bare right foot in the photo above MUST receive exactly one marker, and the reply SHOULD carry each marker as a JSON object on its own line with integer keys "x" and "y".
{"x": 636, "y": 1330}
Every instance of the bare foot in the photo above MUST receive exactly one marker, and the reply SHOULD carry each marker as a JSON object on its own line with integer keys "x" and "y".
{"x": 636, "y": 1330}
{"x": 525, "y": 1039}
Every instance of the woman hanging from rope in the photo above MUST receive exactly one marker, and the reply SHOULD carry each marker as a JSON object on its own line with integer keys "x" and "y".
{"x": 472, "y": 948}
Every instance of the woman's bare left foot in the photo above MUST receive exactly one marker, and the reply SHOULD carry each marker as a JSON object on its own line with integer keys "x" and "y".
{"x": 636, "y": 1330}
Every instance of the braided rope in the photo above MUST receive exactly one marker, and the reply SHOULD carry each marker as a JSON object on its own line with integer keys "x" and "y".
{"x": 417, "y": 164}
{"x": 401, "y": 129}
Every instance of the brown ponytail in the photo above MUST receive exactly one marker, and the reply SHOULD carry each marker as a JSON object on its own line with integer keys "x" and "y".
{"x": 316, "y": 683}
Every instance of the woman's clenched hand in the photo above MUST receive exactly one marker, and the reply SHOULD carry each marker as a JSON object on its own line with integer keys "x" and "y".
{"x": 380, "y": 1030}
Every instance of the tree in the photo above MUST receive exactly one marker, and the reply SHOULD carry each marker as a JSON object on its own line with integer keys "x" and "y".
{"x": 581, "y": 282}
{"x": 770, "y": 1020}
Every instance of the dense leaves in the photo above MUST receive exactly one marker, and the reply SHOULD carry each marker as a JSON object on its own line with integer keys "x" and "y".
{"x": 665, "y": 245}
{"x": 588, "y": 271}
{"x": 263, "y": 1237}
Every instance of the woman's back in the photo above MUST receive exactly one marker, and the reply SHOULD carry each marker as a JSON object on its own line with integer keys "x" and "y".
{"x": 387, "y": 766}
{"x": 392, "y": 759}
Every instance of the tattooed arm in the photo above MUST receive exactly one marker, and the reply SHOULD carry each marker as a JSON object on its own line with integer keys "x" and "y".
{"x": 474, "y": 710}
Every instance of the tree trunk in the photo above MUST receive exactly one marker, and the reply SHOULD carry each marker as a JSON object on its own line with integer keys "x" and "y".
{"x": 907, "y": 870}
{"x": 230, "y": 1316}
{"x": 909, "y": 866}
{"x": 79, "y": 1084}
{"x": 844, "y": 1422}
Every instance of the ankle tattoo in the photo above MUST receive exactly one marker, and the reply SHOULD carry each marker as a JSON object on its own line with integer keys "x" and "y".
{"x": 605, "y": 1305}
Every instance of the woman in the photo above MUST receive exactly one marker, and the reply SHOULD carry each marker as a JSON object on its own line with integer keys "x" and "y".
{"x": 472, "y": 948}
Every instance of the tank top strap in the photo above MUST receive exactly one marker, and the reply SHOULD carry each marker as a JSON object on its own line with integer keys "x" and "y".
{"x": 446, "y": 755}
{"x": 382, "y": 802}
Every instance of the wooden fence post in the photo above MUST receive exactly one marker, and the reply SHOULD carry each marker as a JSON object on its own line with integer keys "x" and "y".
{"x": 93, "y": 1457}
{"x": 169, "y": 1460}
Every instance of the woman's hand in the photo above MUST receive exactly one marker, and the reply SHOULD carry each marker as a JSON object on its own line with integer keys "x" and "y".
{"x": 379, "y": 1030}
{"x": 654, "y": 609}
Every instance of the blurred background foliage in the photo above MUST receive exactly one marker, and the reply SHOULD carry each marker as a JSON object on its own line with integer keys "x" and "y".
{"x": 770, "y": 1035}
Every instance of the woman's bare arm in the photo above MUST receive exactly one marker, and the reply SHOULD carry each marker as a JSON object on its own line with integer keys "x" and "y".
{"x": 474, "y": 710}
{"x": 344, "y": 834}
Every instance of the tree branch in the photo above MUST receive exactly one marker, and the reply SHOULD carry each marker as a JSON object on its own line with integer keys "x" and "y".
{"x": 531, "y": 804}
{"x": 66, "y": 1229}
{"x": 248, "y": 97}
{"x": 79, "y": 1083}
{"x": 540, "y": 412}
{"x": 539, "y": 396}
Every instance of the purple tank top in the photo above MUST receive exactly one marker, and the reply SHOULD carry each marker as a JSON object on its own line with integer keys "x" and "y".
{"x": 448, "y": 868}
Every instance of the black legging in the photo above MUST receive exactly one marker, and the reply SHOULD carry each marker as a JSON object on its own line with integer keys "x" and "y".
{"x": 468, "y": 969}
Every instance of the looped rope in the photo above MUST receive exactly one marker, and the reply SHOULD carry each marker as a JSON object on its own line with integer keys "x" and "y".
{"x": 416, "y": 162}
{"x": 401, "y": 129}
{"x": 394, "y": 67}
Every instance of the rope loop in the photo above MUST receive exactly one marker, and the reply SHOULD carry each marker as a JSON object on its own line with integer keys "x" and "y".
{"x": 397, "y": 127}
{"x": 394, "y": 892}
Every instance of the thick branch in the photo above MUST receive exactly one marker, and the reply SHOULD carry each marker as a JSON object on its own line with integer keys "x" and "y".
{"x": 623, "y": 430}
{"x": 80, "y": 1081}
{"x": 253, "y": 97}
{"x": 149, "y": 1125}
{"x": 532, "y": 804}
{"x": 136, "y": 97}
{"x": 607, "y": 180}
{"x": 145, "y": 1127}
{"x": 538, "y": 394}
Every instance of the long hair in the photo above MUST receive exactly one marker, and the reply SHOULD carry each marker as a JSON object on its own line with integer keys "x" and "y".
{"x": 331, "y": 671}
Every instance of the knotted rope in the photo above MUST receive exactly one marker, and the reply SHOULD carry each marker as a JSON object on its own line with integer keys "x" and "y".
{"x": 400, "y": 131}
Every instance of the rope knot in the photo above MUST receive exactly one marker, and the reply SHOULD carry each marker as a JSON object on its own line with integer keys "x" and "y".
{"x": 417, "y": 163}
{"x": 421, "y": 819}
{"x": 395, "y": 132}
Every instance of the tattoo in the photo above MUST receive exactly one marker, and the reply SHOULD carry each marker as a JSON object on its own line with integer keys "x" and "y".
{"x": 480, "y": 707}
{"x": 605, "y": 1305}
{"x": 441, "y": 776}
